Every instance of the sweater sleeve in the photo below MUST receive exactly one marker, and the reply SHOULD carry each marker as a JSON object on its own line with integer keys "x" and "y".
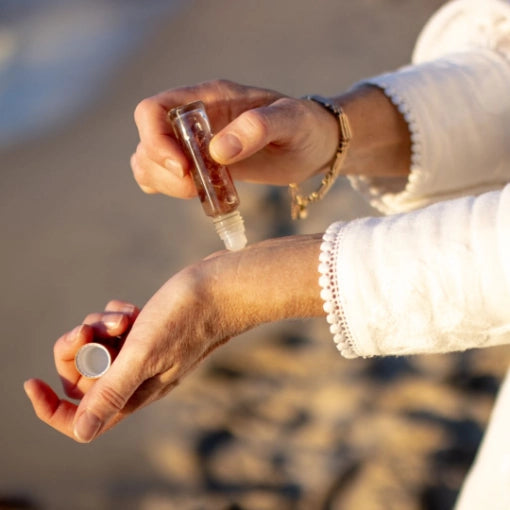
{"x": 456, "y": 103}
{"x": 432, "y": 280}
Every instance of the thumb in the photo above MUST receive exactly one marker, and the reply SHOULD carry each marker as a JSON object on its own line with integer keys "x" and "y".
{"x": 254, "y": 129}
{"x": 108, "y": 397}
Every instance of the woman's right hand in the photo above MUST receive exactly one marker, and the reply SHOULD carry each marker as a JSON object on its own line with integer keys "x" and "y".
{"x": 262, "y": 135}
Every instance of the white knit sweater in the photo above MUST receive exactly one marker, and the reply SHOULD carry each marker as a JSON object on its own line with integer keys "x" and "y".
{"x": 434, "y": 275}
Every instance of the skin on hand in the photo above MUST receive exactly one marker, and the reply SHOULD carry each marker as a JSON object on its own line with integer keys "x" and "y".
{"x": 110, "y": 328}
{"x": 262, "y": 135}
{"x": 197, "y": 310}
{"x": 266, "y": 137}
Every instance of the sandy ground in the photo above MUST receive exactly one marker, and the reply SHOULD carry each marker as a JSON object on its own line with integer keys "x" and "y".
{"x": 276, "y": 420}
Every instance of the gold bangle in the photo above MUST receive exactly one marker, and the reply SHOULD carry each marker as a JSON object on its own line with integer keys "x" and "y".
{"x": 299, "y": 202}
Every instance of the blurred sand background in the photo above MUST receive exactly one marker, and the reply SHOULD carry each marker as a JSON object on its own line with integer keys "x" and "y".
{"x": 277, "y": 419}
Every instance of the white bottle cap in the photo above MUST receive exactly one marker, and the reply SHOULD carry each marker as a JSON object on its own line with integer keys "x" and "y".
{"x": 92, "y": 360}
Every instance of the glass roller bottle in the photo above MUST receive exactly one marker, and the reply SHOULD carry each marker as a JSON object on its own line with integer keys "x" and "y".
{"x": 213, "y": 181}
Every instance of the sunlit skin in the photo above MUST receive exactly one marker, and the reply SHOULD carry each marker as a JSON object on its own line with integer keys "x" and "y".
{"x": 197, "y": 310}
{"x": 116, "y": 320}
{"x": 279, "y": 140}
{"x": 283, "y": 139}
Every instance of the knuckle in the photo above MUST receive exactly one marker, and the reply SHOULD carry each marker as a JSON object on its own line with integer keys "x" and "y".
{"x": 120, "y": 306}
{"x": 287, "y": 102}
{"x": 140, "y": 172}
{"x": 133, "y": 161}
{"x": 56, "y": 349}
{"x": 61, "y": 345}
{"x": 224, "y": 89}
{"x": 113, "y": 304}
{"x": 140, "y": 152}
{"x": 91, "y": 318}
{"x": 116, "y": 305}
{"x": 222, "y": 84}
{"x": 256, "y": 123}
{"x": 142, "y": 108}
{"x": 295, "y": 107}
{"x": 112, "y": 398}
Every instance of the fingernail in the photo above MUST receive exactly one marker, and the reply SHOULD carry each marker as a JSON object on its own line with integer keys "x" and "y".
{"x": 127, "y": 309}
{"x": 86, "y": 427}
{"x": 174, "y": 167}
{"x": 225, "y": 147}
{"x": 113, "y": 321}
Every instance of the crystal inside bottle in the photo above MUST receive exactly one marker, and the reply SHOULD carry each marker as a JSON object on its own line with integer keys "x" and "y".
{"x": 213, "y": 181}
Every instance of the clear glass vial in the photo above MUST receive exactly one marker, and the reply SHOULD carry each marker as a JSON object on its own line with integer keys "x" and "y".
{"x": 213, "y": 181}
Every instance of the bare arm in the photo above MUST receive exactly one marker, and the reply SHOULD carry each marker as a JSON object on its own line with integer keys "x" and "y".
{"x": 381, "y": 145}
{"x": 197, "y": 310}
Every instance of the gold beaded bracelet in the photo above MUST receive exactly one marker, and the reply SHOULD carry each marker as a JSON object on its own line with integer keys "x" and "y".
{"x": 299, "y": 202}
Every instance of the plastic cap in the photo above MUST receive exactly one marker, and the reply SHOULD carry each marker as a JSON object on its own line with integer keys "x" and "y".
{"x": 92, "y": 360}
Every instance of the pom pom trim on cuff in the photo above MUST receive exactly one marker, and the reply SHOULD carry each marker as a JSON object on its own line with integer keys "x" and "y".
{"x": 330, "y": 293}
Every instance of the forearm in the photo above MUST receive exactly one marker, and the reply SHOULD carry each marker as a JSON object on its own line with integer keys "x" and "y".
{"x": 381, "y": 144}
{"x": 269, "y": 281}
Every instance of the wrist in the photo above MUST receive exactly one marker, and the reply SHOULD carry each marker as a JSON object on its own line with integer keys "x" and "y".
{"x": 269, "y": 281}
{"x": 300, "y": 201}
{"x": 381, "y": 143}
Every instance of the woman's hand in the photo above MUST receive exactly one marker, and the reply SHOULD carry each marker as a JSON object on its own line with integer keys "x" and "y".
{"x": 110, "y": 328}
{"x": 197, "y": 310}
{"x": 262, "y": 135}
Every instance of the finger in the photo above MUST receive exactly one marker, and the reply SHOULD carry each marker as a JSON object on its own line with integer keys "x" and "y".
{"x": 49, "y": 408}
{"x": 155, "y": 178}
{"x": 144, "y": 188}
{"x": 64, "y": 352}
{"x": 128, "y": 309}
{"x": 107, "y": 398}
{"x": 109, "y": 323}
{"x": 55, "y": 412}
{"x": 147, "y": 393}
{"x": 157, "y": 137}
{"x": 106, "y": 327}
{"x": 255, "y": 129}
{"x": 224, "y": 100}
{"x": 143, "y": 155}
{"x": 116, "y": 320}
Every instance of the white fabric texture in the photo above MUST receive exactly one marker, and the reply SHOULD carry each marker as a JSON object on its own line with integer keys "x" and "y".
{"x": 432, "y": 280}
{"x": 488, "y": 483}
{"x": 437, "y": 278}
{"x": 456, "y": 102}
{"x": 457, "y": 114}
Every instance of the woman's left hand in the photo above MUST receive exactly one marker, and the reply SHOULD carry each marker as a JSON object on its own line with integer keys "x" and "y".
{"x": 197, "y": 310}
